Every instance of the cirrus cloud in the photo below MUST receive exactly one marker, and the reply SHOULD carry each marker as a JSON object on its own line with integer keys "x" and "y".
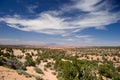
{"x": 96, "y": 14}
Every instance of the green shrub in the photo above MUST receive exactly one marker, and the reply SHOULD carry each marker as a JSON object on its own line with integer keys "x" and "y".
{"x": 20, "y": 72}
{"x": 38, "y": 60}
{"x": 15, "y": 64}
{"x": 118, "y": 68}
{"x": 54, "y": 73}
{"x": 2, "y": 60}
{"x": 117, "y": 77}
{"x": 48, "y": 65}
{"x": 27, "y": 74}
{"x": 38, "y": 70}
{"x": 106, "y": 70}
{"x": 29, "y": 61}
{"x": 45, "y": 60}
{"x": 45, "y": 69}
{"x": 24, "y": 73}
{"x": 37, "y": 77}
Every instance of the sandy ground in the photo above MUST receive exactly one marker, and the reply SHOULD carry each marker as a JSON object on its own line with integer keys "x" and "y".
{"x": 9, "y": 74}
{"x": 47, "y": 73}
{"x": 19, "y": 52}
{"x": 33, "y": 72}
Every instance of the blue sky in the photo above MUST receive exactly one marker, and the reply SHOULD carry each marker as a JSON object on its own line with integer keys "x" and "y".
{"x": 60, "y": 22}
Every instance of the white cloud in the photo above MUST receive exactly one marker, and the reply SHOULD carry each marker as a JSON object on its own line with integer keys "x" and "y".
{"x": 50, "y": 22}
{"x": 82, "y": 36}
{"x": 32, "y": 8}
{"x": 45, "y": 23}
{"x": 97, "y": 19}
{"x": 86, "y": 5}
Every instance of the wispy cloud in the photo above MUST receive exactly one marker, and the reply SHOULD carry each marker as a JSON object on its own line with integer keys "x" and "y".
{"x": 32, "y": 8}
{"x": 96, "y": 14}
{"x": 89, "y": 5}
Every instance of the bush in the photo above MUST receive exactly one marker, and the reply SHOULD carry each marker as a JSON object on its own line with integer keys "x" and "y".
{"x": 106, "y": 70}
{"x": 5, "y": 54}
{"x": 48, "y": 65}
{"x": 20, "y": 72}
{"x": 38, "y": 60}
{"x": 27, "y": 74}
{"x": 15, "y": 64}
{"x": 2, "y": 60}
{"x": 37, "y": 77}
{"x": 117, "y": 78}
{"x": 54, "y": 73}
{"x": 29, "y": 61}
{"x": 38, "y": 70}
{"x": 11, "y": 61}
{"x": 45, "y": 60}
{"x": 118, "y": 69}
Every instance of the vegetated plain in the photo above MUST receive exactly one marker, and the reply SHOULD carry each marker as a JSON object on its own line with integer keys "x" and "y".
{"x": 59, "y": 63}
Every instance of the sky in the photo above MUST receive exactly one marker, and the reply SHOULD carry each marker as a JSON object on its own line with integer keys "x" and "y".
{"x": 60, "y": 22}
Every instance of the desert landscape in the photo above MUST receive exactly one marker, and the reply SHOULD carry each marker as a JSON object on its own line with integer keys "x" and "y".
{"x": 67, "y": 63}
{"x": 59, "y": 39}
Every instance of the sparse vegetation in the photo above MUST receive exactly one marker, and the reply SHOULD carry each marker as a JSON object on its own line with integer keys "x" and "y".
{"x": 38, "y": 70}
{"x": 107, "y": 70}
{"x": 29, "y": 61}
{"x": 22, "y": 72}
{"x": 90, "y": 63}
{"x": 48, "y": 65}
{"x": 37, "y": 77}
